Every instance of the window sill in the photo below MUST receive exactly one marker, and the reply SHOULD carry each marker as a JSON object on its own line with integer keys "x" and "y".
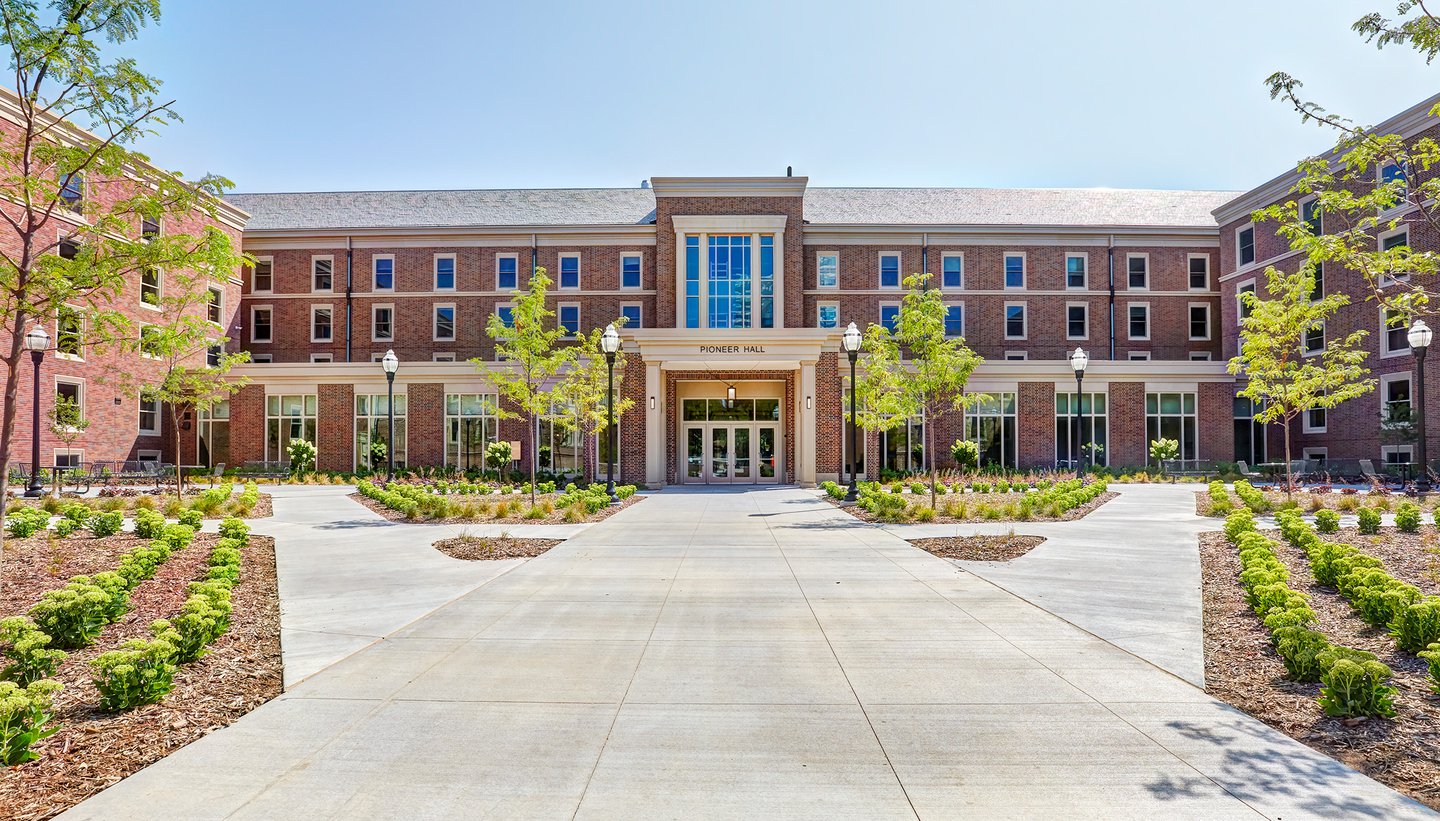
{"x": 149, "y": 307}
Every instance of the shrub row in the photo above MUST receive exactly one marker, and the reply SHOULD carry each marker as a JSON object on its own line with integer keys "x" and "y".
{"x": 834, "y": 490}
{"x": 28, "y": 649}
{"x": 413, "y": 501}
{"x": 1220, "y": 504}
{"x": 1252, "y": 498}
{"x": 1055, "y": 499}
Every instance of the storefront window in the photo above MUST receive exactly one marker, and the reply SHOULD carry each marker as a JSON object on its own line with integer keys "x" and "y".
{"x": 372, "y": 424}
{"x": 991, "y": 425}
{"x": 288, "y": 416}
{"x": 1091, "y": 442}
{"x": 1172, "y": 416}
{"x": 560, "y": 449}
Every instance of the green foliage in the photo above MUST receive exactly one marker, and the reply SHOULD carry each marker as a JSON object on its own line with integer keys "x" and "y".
{"x": 1353, "y": 684}
{"x": 24, "y": 719}
{"x": 107, "y": 524}
{"x": 28, "y": 649}
{"x": 233, "y": 528}
{"x": 148, "y": 524}
{"x": 302, "y": 456}
{"x": 498, "y": 455}
{"x": 833, "y": 490}
{"x": 26, "y": 521}
{"x": 1431, "y": 655}
{"x": 204, "y": 617}
{"x": 1220, "y": 504}
{"x": 1163, "y": 449}
{"x": 1327, "y": 521}
{"x": 140, "y": 672}
{"x": 966, "y": 454}
{"x": 192, "y": 518}
{"x": 75, "y": 614}
{"x": 65, "y": 527}
{"x": 1239, "y": 522}
{"x": 1253, "y": 499}
{"x": 1369, "y": 521}
{"x": 1407, "y": 518}
{"x": 1418, "y": 625}
{"x": 1300, "y": 649}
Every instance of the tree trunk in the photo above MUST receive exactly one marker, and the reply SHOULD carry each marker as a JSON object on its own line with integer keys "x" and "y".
{"x": 1289, "y": 480}
{"x": 7, "y": 419}
{"x": 175, "y": 426}
{"x": 535, "y": 453}
{"x": 930, "y": 452}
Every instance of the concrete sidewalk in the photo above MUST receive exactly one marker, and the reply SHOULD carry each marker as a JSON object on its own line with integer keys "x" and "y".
{"x": 750, "y": 654}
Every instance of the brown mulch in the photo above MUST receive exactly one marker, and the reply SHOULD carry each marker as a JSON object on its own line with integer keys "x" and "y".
{"x": 262, "y": 509}
{"x": 1343, "y": 503}
{"x": 483, "y": 548}
{"x": 94, "y": 749}
{"x": 972, "y": 502}
{"x": 493, "y": 500}
{"x": 980, "y": 548}
{"x": 1243, "y": 670}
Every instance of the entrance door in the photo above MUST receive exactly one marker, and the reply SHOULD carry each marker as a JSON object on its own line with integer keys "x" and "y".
{"x": 732, "y": 454}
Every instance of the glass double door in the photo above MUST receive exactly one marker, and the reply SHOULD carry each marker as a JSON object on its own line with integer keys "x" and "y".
{"x": 732, "y": 454}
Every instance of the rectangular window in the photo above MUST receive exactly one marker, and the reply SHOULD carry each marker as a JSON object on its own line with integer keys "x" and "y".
{"x": 71, "y": 391}
{"x": 261, "y": 357}
{"x": 215, "y": 306}
{"x": 443, "y": 357}
{"x": 631, "y": 311}
{"x": 68, "y": 248}
{"x": 889, "y": 270}
{"x": 890, "y": 316}
{"x": 1077, "y": 321}
{"x": 1017, "y": 356}
{"x": 954, "y": 320}
{"x": 630, "y": 270}
{"x": 737, "y": 295}
{"x": 262, "y": 278}
{"x": 992, "y": 424}
{"x": 569, "y": 314}
{"x": 75, "y": 457}
{"x": 320, "y": 358}
{"x": 260, "y": 324}
{"x": 1076, "y": 275}
{"x": 1199, "y": 356}
{"x": 150, "y": 286}
{"x": 1318, "y": 291}
{"x": 384, "y": 272}
{"x": 72, "y": 191}
{"x": 506, "y": 314}
{"x": 1139, "y": 356}
{"x": 1314, "y": 421}
{"x": 150, "y": 342}
{"x": 1395, "y": 239}
{"x": 1199, "y": 272}
{"x": 69, "y": 333}
{"x": 1014, "y": 270}
{"x": 827, "y": 270}
{"x": 692, "y": 282}
{"x": 1245, "y": 245}
{"x": 471, "y": 424}
{"x": 828, "y": 315}
{"x": 149, "y": 417}
{"x": 1172, "y": 416}
{"x": 382, "y": 323}
{"x": 1397, "y": 454}
{"x": 373, "y": 415}
{"x": 1138, "y": 268}
{"x": 149, "y": 228}
{"x": 288, "y": 416}
{"x": 444, "y": 330}
{"x": 1139, "y": 314}
{"x": 444, "y": 272}
{"x": 1395, "y": 398}
{"x": 570, "y": 271}
{"x": 1315, "y": 338}
{"x": 1016, "y": 326}
{"x": 1199, "y": 321}
{"x": 1086, "y": 411}
{"x": 952, "y": 268}
{"x": 213, "y": 352}
{"x": 321, "y": 329}
{"x": 1393, "y": 174}
{"x": 1394, "y": 333}
{"x": 507, "y": 272}
{"x": 1310, "y": 215}
{"x": 322, "y": 273}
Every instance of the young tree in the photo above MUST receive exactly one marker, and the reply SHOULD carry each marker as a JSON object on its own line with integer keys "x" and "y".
{"x": 929, "y": 384}
{"x": 67, "y": 424}
{"x": 1281, "y": 379}
{"x": 530, "y": 344}
{"x": 74, "y": 202}
{"x": 583, "y": 390}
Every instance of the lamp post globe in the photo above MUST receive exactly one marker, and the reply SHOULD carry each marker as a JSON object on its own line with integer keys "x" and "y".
{"x": 390, "y": 363}
{"x": 1078, "y": 361}
{"x": 850, "y": 343}
{"x": 37, "y": 341}
{"x": 610, "y": 346}
{"x": 1420, "y": 336}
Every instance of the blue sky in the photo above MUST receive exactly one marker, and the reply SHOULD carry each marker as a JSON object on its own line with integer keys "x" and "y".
{"x": 367, "y": 94}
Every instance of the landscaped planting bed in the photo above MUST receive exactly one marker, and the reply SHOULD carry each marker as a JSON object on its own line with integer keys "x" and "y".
{"x": 487, "y": 548}
{"x": 1264, "y": 500}
{"x": 457, "y": 502}
{"x": 980, "y": 548}
{"x": 1245, "y": 660}
{"x": 979, "y": 501}
{"x": 243, "y": 500}
{"x": 219, "y": 641}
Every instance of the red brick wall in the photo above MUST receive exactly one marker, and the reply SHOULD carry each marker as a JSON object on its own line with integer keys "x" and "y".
{"x": 1036, "y": 424}
{"x": 1128, "y": 445}
{"x": 335, "y": 428}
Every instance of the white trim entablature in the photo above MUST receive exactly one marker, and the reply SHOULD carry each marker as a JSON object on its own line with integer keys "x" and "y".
{"x": 940, "y": 236}
{"x": 729, "y": 186}
{"x": 462, "y": 236}
{"x": 724, "y": 224}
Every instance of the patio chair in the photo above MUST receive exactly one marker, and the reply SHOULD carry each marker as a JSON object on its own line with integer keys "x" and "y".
{"x": 1246, "y": 472}
{"x": 215, "y": 474}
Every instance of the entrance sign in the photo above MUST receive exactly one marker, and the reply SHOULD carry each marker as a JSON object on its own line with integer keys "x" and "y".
{"x": 721, "y": 349}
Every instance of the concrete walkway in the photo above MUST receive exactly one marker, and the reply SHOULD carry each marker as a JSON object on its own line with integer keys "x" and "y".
{"x": 743, "y": 655}
{"x": 1128, "y": 572}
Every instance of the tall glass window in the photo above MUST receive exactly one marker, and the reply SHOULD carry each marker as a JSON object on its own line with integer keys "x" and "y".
{"x": 1249, "y": 434}
{"x": 289, "y": 416}
{"x": 692, "y": 282}
{"x": 213, "y": 436}
{"x": 729, "y": 281}
{"x": 1093, "y": 428}
{"x": 560, "y": 449}
{"x": 372, "y": 421}
{"x": 991, "y": 425}
{"x": 470, "y": 425}
{"x": 1172, "y": 416}
{"x": 903, "y": 447}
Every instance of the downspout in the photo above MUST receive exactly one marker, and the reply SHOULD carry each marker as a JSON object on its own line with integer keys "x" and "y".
{"x": 1110, "y": 265}
{"x": 349, "y": 294}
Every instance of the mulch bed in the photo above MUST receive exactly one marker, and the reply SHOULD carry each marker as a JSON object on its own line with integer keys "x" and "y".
{"x": 262, "y": 509}
{"x": 1243, "y": 670}
{"x": 973, "y": 501}
{"x": 484, "y": 548}
{"x": 94, "y": 749}
{"x": 1342, "y": 503}
{"x": 494, "y": 499}
{"x": 980, "y": 548}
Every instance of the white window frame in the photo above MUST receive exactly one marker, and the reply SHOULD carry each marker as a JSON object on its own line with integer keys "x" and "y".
{"x": 1403, "y": 230}
{"x": 442, "y": 356}
{"x": 1406, "y": 451}
{"x": 1085, "y": 284}
{"x": 499, "y": 257}
{"x": 1016, "y": 356}
{"x": 506, "y": 304}
{"x": 259, "y": 358}
{"x": 141, "y": 429}
{"x": 960, "y": 255}
{"x": 435, "y": 322}
{"x": 1254, "y": 246}
{"x": 820, "y": 306}
{"x": 321, "y": 358}
{"x": 579, "y": 317}
{"x": 81, "y": 393}
{"x": 1306, "y": 351}
{"x": 141, "y": 347}
{"x": 639, "y": 313}
{"x": 271, "y": 262}
{"x": 313, "y": 310}
{"x": 1024, "y": 271}
{"x": 620, "y": 274}
{"x": 219, "y": 304}
{"x": 1189, "y": 261}
{"x": 1307, "y": 424}
{"x": 956, "y": 303}
{"x": 159, "y": 288}
{"x": 375, "y": 337}
{"x": 79, "y": 315}
{"x": 79, "y": 454}
{"x": 880, "y": 270}
{"x": 1386, "y": 352}
{"x": 375, "y": 273}
{"x": 1200, "y": 356}
{"x": 818, "y": 283}
{"x": 1129, "y": 328}
{"x": 1380, "y": 179}
{"x": 1143, "y": 256}
{"x": 1320, "y": 454}
{"x": 579, "y": 272}
{"x": 314, "y": 260}
{"x": 880, "y": 312}
{"x": 1084, "y": 306}
{"x": 254, "y": 309}
{"x": 435, "y": 272}
{"x": 1190, "y": 321}
{"x": 1024, "y": 319}
{"x": 1138, "y": 356}
{"x": 1385, "y": 381}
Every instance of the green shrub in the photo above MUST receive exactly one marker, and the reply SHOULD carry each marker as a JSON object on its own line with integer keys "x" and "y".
{"x": 77, "y": 512}
{"x": 918, "y": 488}
{"x": 192, "y": 518}
{"x": 233, "y": 528}
{"x": 65, "y": 528}
{"x": 1300, "y": 649}
{"x": 1353, "y": 684}
{"x": 1376, "y": 595}
{"x": 106, "y": 524}
{"x": 148, "y": 524}
{"x": 1327, "y": 521}
{"x": 924, "y": 513}
{"x": 204, "y": 617}
{"x": 25, "y": 522}
{"x": 75, "y": 614}
{"x": 177, "y": 536}
{"x": 1417, "y": 626}
{"x": 1369, "y": 521}
{"x": 1253, "y": 499}
{"x": 140, "y": 672}
{"x": 1407, "y": 518}
{"x": 1432, "y": 655}
{"x": 28, "y": 649}
{"x": 1220, "y": 504}
{"x": 1238, "y": 522}
{"x": 24, "y": 719}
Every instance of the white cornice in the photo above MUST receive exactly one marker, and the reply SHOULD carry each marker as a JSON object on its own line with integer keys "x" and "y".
{"x": 1091, "y": 235}
{"x": 729, "y": 186}
{"x": 509, "y": 236}
{"x": 694, "y": 224}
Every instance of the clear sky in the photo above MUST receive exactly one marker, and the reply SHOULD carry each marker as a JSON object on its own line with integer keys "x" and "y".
{"x": 289, "y": 95}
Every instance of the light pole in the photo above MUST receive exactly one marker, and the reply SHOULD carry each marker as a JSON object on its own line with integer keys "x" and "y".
{"x": 36, "y": 342}
{"x": 391, "y": 364}
{"x": 1419, "y": 337}
{"x": 610, "y": 346}
{"x": 851, "y": 343}
{"x": 1078, "y": 361}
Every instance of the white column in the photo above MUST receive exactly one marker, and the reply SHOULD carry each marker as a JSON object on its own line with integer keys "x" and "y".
{"x": 654, "y": 426}
{"x": 805, "y": 438}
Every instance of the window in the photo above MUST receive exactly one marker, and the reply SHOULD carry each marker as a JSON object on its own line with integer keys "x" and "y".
{"x": 827, "y": 269}
{"x": 569, "y": 271}
{"x": 261, "y": 357}
{"x": 1393, "y": 174}
{"x": 507, "y": 272}
{"x": 262, "y": 278}
{"x": 69, "y": 333}
{"x": 631, "y": 311}
{"x": 1017, "y": 356}
{"x": 737, "y": 296}
{"x": 321, "y": 358}
{"x": 1087, "y": 443}
{"x": 1199, "y": 272}
{"x": 560, "y": 448}
{"x": 1199, "y": 321}
{"x": 1397, "y": 454}
{"x": 1245, "y": 245}
{"x": 630, "y": 267}
{"x": 1315, "y": 339}
{"x": 952, "y": 271}
{"x": 322, "y": 273}
{"x": 1077, "y": 320}
{"x": 149, "y": 417}
{"x": 1394, "y": 333}
{"x": 506, "y": 314}
{"x": 320, "y": 323}
{"x": 954, "y": 320}
{"x": 288, "y": 416}
{"x": 1014, "y": 270}
{"x": 372, "y": 428}
{"x": 215, "y": 306}
{"x": 72, "y": 191}
{"x": 384, "y": 272}
{"x": 1139, "y": 356}
{"x": 149, "y": 341}
{"x": 444, "y": 272}
{"x": 890, "y": 315}
{"x": 68, "y": 248}
{"x": 827, "y": 315}
{"x": 213, "y": 352}
{"x": 1139, "y": 313}
{"x": 149, "y": 228}
{"x": 470, "y": 425}
{"x": 71, "y": 391}
{"x": 1314, "y": 421}
{"x": 382, "y": 323}
{"x": 1310, "y": 215}
{"x": 1199, "y": 356}
{"x": 692, "y": 282}
{"x": 150, "y": 286}
{"x": 448, "y": 356}
{"x": 1318, "y": 289}
{"x": 889, "y": 270}
{"x": 260, "y": 324}
{"x": 75, "y": 457}
{"x": 1076, "y": 275}
{"x": 569, "y": 314}
{"x": 991, "y": 424}
{"x": 1138, "y": 268}
{"x": 1318, "y": 454}
{"x": 444, "y": 323}
{"x": 1395, "y": 398}
{"x": 1172, "y": 416}
{"x": 1249, "y": 434}
{"x": 1015, "y": 324}
{"x": 1400, "y": 238}
{"x": 213, "y": 433}
{"x": 902, "y": 448}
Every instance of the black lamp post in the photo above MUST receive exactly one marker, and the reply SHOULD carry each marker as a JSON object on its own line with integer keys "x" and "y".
{"x": 1419, "y": 337}
{"x": 610, "y": 346}
{"x": 1078, "y": 361}
{"x": 851, "y": 343}
{"x": 391, "y": 364}
{"x": 36, "y": 342}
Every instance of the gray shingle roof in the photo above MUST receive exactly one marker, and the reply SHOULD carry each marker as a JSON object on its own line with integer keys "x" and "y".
{"x": 636, "y": 206}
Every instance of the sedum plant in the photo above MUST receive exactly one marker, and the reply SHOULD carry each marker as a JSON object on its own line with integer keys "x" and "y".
{"x": 140, "y": 672}
{"x": 1353, "y": 684}
{"x": 28, "y": 649}
{"x": 1327, "y": 521}
{"x": 24, "y": 719}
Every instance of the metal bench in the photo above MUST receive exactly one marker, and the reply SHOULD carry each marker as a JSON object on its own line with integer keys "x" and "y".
{"x": 108, "y": 474}
{"x": 264, "y": 469}
{"x": 1188, "y": 467}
